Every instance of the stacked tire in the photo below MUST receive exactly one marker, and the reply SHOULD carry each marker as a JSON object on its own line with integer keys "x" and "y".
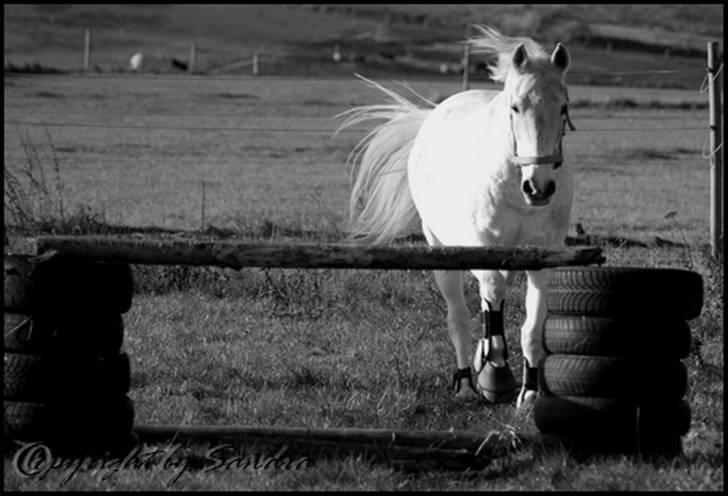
{"x": 66, "y": 377}
{"x": 615, "y": 339}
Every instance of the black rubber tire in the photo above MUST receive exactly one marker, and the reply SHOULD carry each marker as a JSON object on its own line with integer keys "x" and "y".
{"x": 665, "y": 418}
{"x": 661, "y": 446}
{"x": 78, "y": 335}
{"x": 89, "y": 426}
{"x": 612, "y": 291}
{"x": 23, "y": 374}
{"x": 586, "y": 416}
{"x": 90, "y": 335}
{"x": 83, "y": 334}
{"x": 19, "y": 286}
{"x": 92, "y": 426}
{"x": 25, "y": 421}
{"x": 661, "y": 426}
{"x": 606, "y": 377}
{"x": 29, "y": 378}
{"x": 600, "y": 336}
{"x": 19, "y": 335}
{"x": 66, "y": 287}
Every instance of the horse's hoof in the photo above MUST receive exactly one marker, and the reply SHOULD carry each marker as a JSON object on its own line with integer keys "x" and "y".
{"x": 467, "y": 393}
{"x": 526, "y": 400}
{"x": 497, "y": 384}
{"x": 462, "y": 382}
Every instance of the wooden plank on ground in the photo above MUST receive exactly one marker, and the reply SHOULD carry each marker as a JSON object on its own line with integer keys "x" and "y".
{"x": 384, "y": 437}
{"x": 421, "y": 450}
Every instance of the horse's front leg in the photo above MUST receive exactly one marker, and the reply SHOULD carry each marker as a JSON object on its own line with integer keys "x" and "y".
{"x": 531, "y": 335}
{"x": 450, "y": 284}
{"x": 495, "y": 378}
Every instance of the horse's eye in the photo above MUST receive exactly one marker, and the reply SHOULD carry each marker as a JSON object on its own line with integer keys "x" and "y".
{"x": 514, "y": 108}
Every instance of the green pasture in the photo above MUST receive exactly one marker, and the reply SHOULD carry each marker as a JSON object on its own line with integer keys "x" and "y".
{"x": 346, "y": 348}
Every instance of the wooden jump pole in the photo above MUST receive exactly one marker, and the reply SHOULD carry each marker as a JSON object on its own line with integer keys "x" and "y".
{"x": 382, "y": 437}
{"x": 716, "y": 152}
{"x": 236, "y": 254}
{"x": 416, "y": 449}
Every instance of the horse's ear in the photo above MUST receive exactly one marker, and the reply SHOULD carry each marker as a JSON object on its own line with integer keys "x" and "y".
{"x": 520, "y": 57}
{"x": 560, "y": 58}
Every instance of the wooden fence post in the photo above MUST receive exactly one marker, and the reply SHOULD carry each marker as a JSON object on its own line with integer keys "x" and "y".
{"x": 87, "y": 49}
{"x": 716, "y": 152}
{"x": 466, "y": 67}
{"x": 193, "y": 57}
{"x": 202, "y": 207}
{"x": 466, "y": 60}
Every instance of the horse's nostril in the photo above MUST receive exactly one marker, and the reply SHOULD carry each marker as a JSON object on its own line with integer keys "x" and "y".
{"x": 550, "y": 188}
{"x": 527, "y": 188}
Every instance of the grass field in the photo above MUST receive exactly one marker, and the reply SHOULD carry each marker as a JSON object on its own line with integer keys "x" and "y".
{"x": 140, "y": 149}
{"x": 345, "y": 348}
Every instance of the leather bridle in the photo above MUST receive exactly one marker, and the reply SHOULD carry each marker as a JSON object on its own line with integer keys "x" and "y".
{"x": 557, "y": 158}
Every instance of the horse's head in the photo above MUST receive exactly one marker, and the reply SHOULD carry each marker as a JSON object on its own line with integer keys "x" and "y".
{"x": 537, "y": 105}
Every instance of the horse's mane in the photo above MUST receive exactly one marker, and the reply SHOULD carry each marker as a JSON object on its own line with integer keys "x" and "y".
{"x": 492, "y": 42}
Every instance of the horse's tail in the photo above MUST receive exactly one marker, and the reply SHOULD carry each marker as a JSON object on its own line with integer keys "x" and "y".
{"x": 381, "y": 206}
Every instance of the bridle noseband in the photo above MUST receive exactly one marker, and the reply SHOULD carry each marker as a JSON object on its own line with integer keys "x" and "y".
{"x": 557, "y": 159}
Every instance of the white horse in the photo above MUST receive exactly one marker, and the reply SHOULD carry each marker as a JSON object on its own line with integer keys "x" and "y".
{"x": 482, "y": 168}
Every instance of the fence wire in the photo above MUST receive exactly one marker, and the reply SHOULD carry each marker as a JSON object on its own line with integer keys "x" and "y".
{"x": 299, "y": 130}
{"x": 147, "y": 128}
{"x": 250, "y": 78}
{"x": 240, "y": 115}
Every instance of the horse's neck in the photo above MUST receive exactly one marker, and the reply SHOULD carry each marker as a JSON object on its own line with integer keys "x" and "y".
{"x": 500, "y": 130}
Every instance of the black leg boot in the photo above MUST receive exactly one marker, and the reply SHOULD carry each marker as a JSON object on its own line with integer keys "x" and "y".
{"x": 529, "y": 388}
{"x": 495, "y": 383}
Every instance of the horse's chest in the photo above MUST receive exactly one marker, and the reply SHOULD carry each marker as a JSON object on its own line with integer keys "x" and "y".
{"x": 536, "y": 229}
{"x": 503, "y": 225}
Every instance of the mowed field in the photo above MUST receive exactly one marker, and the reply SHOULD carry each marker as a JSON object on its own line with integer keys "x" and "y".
{"x": 321, "y": 348}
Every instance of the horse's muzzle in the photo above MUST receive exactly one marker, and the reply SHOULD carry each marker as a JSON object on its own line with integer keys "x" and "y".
{"x": 538, "y": 196}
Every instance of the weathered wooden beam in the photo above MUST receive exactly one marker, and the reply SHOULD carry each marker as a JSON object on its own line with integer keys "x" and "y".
{"x": 381, "y": 437}
{"x": 236, "y": 254}
{"x": 424, "y": 449}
